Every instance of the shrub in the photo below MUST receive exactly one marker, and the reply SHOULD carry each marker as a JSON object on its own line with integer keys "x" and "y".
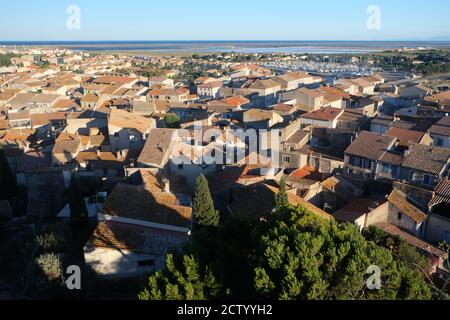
{"x": 51, "y": 265}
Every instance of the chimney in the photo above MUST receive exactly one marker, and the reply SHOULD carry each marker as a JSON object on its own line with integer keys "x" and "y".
{"x": 166, "y": 185}
{"x": 93, "y": 132}
{"x": 119, "y": 154}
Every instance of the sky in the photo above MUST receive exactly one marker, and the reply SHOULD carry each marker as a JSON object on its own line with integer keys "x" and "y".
{"x": 46, "y": 20}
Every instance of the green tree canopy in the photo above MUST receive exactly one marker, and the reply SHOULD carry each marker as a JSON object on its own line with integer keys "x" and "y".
{"x": 293, "y": 256}
{"x": 304, "y": 257}
{"x": 5, "y": 59}
{"x": 172, "y": 121}
{"x": 203, "y": 205}
{"x": 281, "y": 199}
{"x": 182, "y": 279}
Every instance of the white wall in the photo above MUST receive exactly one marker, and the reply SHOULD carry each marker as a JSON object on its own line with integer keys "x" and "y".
{"x": 115, "y": 264}
{"x": 437, "y": 229}
{"x": 405, "y": 223}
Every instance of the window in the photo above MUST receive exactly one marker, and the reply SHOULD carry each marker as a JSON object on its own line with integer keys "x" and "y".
{"x": 180, "y": 167}
{"x": 439, "y": 142}
{"x": 356, "y": 161}
{"x": 366, "y": 164}
{"x": 385, "y": 168}
{"x": 287, "y": 159}
{"x": 399, "y": 216}
{"x": 413, "y": 176}
{"x": 427, "y": 180}
{"x": 394, "y": 171}
{"x": 116, "y": 134}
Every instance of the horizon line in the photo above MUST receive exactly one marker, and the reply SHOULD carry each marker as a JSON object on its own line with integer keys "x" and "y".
{"x": 226, "y": 40}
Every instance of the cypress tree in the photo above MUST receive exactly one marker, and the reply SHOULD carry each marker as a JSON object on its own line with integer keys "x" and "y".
{"x": 77, "y": 206}
{"x": 281, "y": 199}
{"x": 8, "y": 185}
{"x": 79, "y": 218}
{"x": 204, "y": 212}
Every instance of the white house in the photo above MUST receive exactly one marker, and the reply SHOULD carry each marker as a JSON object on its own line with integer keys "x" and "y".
{"x": 209, "y": 90}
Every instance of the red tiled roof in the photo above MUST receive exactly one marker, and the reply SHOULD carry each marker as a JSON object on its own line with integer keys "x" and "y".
{"x": 356, "y": 208}
{"x": 214, "y": 84}
{"x": 236, "y": 101}
{"x": 65, "y": 103}
{"x": 324, "y": 114}
{"x": 412, "y": 240}
{"x": 401, "y": 202}
{"x": 283, "y": 107}
{"x": 138, "y": 239}
{"x": 307, "y": 173}
{"x": 405, "y": 136}
{"x": 370, "y": 145}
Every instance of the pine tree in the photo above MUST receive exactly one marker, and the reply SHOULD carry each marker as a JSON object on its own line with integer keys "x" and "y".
{"x": 8, "y": 185}
{"x": 181, "y": 279}
{"x": 302, "y": 252}
{"x": 281, "y": 199}
{"x": 203, "y": 207}
{"x": 295, "y": 256}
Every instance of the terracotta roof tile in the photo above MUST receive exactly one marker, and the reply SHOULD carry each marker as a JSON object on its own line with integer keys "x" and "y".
{"x": 127, "y": 120}
{"x": 139, "y": 203}
{"x": 156, "y": 147}
{"x": 426, "y": 158}
{"x": 324, "y": 114}
{"x": 137, "y": 239}
{"x": 370, "y": 145}
{"x": 414, "y": 241}
{"x": 405, "y": 136}
{"x": 401, "y": 202}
